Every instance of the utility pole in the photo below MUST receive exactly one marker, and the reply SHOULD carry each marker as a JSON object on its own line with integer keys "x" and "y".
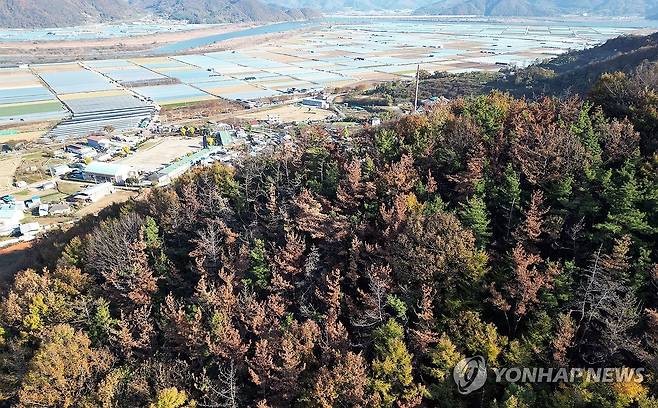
{"x": 417, "y": 84}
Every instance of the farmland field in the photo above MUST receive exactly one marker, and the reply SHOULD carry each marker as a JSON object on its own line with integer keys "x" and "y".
{"x": 20, "y": 109}
{"x": 290, "y": 113}
{"x": 24, "y": 97}
{"x": 7, "y": 170}
{"x": 162, "y": 153}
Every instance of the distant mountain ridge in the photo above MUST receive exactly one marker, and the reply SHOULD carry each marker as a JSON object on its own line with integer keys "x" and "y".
{"x": 62, "y": 13}
{"x": 223, "y": 11}
{"x": 644, "y": 8}
{"x": 541, "y": 8}
{"x": 356, "y": 5}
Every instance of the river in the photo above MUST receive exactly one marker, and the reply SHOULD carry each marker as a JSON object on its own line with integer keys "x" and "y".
{"x": 184, "y": 45}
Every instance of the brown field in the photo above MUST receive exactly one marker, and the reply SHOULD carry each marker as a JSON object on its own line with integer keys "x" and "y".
{"x": 94, "y": 94}
{"x": 290, "y": 113}
{"x": 167, "y": 150}
{"x": 7, "y": 171}
{"x": 198, "y": 112}
{"x": 26, "y": 131}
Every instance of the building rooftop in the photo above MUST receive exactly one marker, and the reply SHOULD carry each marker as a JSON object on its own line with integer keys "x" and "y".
{"x": 109, "y": 169}
{"x": 102, "y": 187}
{"x": 77, "y": 146}
{"x": 226, "y": 137}
{"x": 60, "y": 207}
{"x": 187, "y": 161}
{"x": 9, "y": 211}
{"x": 98, "y": 138}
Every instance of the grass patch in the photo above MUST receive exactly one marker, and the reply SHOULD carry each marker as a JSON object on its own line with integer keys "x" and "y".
{"x": 54, "y": 197}
{"x": 186, "y": 104}
{"x": 68, "y": 188}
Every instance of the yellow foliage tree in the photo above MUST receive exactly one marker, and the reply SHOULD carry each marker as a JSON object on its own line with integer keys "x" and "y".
{"x": 64, "y": 369}
{"x": 170, "y": 398}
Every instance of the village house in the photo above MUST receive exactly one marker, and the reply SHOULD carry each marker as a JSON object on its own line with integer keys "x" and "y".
{"x": 99, "y": 172}
{"x": 10, "y": 218}
{"x": 95, "y": 193}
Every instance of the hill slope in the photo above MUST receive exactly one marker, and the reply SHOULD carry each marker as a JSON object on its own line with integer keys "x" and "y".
{"x": 357, "y": 5}
{"x": 59, "y": 13}
{"x": 220, "y": 11}
{"x": 578, "y": 71}
{"x": 62, "y": 13}
{"x": 302, "y": 276}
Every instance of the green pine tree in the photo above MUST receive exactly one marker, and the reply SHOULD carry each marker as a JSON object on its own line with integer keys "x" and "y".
{"x": 72, "y": 255}
{"x": 102, "y": 322}
{"x": 152, "y": 233}
{"x": 475, "y": 216}
{"x": 624, "y": 195}
{"x": 259, "y": 270}
{"x": 392, "y": 367}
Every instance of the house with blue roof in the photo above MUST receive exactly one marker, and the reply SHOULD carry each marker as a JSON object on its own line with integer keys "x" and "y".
{"x": 225, "y": 138}
{"x": 10, "y": 218}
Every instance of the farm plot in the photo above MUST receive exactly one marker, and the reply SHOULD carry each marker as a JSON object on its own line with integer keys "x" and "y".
{"x": 7, "y": 170}
{"x": 24, "y": 98}
{"x": 92, "y": 111}
{"x": 85, "y": 102}
{"x": 193, "y": 75}
{"x": 161, "y": 154}
{"x": 172, "y": 94}
{"x": 132, "y": 73}
{"x": 72, "y": 78}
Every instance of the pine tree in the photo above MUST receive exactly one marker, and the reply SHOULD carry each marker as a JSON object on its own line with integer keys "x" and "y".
{"x": 507, "y": 195}
{"x": 444, "y": 356}
{"x": 169, "y": 398}
{"x": 344, "y": 384}
{"x": 387, "y": 144}
{"x": 475, "y": 216}
{"x": 64, "y": 369}
{"x": 531, "y": 229}
{"x": 521, "y": 293}
{"x": 73, "y": 253}
{"x": 392, "y": 367}
{"x": 102, "y": 323}
{"x": 259, "y": 268}
{"x": 152, "y": 234}
{"x": 625, "y": 196}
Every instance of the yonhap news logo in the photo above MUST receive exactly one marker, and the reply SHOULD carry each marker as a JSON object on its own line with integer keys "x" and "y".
{"x": 470, "y": 374}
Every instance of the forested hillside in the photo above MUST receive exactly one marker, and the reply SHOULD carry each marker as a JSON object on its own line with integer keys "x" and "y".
{"x": 491, "y": 7}
{"x": 361, "y": 5}
{"x": 222, "y": 11}
{"x": 62, "y": 13}
{"x": 358, "y": 269}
